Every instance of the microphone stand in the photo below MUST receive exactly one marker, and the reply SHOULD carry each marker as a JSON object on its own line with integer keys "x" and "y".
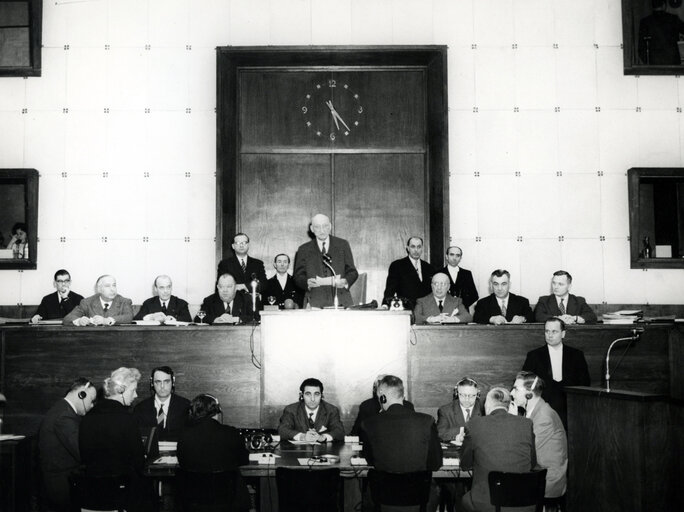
{"x": 636, "y": 334}
{"x": 326, "y": 262}
{"x": 254, "y": 284}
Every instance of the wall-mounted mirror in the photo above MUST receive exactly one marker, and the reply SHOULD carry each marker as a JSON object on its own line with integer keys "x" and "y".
{"x": 656, "y": 217}
{"x": 18, "y": 218}
{"x": 20, "y": 37}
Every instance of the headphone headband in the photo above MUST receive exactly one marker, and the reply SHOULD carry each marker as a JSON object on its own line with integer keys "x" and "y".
{"x": 467, "y": 381}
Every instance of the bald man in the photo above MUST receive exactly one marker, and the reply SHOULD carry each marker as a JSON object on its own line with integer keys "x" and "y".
{"x": 164, "y": 307}
{"x": 439, "y": 307}
{"x": 312, "y": 266}
{"x": 106, "y": 307}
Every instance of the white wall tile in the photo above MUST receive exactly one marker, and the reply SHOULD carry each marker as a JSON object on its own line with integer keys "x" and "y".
{"x": 495, "y": 254}
{"x": 10, "y": 291}
{"x": 166, "y": 206}
{"x": 618, "y": 149}
{"x": 51, "y": 208}
{"x": 462, "y": 140}
{"x": 615, "y": 90}
{"x": 12, "y": 93}
{"x": 37, "y": 283}
{"x": 497, "y": 206}
{"x": 536, "y": 140}
{"x": 168, "y": 138}
{"x": 290, "y": 22}
{"x": 622, "y": 284}
{"x": 584, "y": 260}
{"x": 13, "y": 139}
{"x": 608, "y": 23}
{"x": 209, "y": 27}
{"x": 54, "y": 24}
{"x": 249, "y": 23}
{"x": 202, "y": 207}
{"x": 85, "y": 141}
{"x": 461, "y": 72}
{"x": 539, "y": 92}
{"x": 168, "y": 22}
{"x": 463, "y": 206}
{"x": 574, "y": 22}
{"x": 200, "y": 146}
{"x": 539, "y": 205}
{"x": 539, "y": 259}
{"x": 494, "y": 78}
{"x": 86, "y": 24}
{"x": 578, "y": 142}
{"x": 657, "y": 92}
{"x": 533, "y": 23}
{"x": 412, "y": 22}
{"x": 331, "y": 21}
{"x": 493, "y": 22}
{"x": 659, "y": 143}
{"x": 495, "y": 150}
{"x": 86, "y": 83}
{"x": 614, "y": 205}
{"x": 446, "y": 31}
{"x": 201, "y": 270}
{"x": 576, "y": 78}
{"x": 202, "y": 79}
{"x": 167, "y": 84}
{"x": 371, "y": 22}
{"x": 166, "y": 257}
{"x": 124, "y": 206}
{"x": 127, "y": 70}
{"x": 577, "y": 219}
{"x": 128, "y": 23}
{"x": 127, "y": 141}
{"x": 44, "y": 143}
{"x": 48, "y": 91}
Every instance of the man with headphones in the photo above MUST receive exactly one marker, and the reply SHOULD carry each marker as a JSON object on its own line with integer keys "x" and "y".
{"x": 311, "y": 419}
{"x": 550, "y": 440}
{"x": 58, "y": 442}
{"x": 453, "y": 417}
{"x": 372, "y": 406}
{"x": 165, "y": 409}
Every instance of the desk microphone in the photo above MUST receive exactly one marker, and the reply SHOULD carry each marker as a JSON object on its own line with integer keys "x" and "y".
{"x": 327, "y": 261}
{"x": 636, "y": 334}
{"x": 254, "y": 284}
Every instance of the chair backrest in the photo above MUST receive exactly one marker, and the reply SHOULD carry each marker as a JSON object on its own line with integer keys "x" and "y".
{"x": 98, "y": 492}
{"x": 207, "y": 491}
{"x": 517, "y": 489}
{"x": 399, "y": 489}
{"x": 308, "y": 489}
{"x": 358, "y": 289}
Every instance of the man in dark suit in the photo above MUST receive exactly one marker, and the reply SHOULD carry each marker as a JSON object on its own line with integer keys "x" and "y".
{"x": 409, "y": 278}
{"x": 558, "y": 365}
{"x": 462, "y": 284}
{"x": 453, "y": 417}
{"x": 372, "y": 406}
{"x": 60, "y": 303}
{"x": 243, "y": 267}
{"x": 439, "y": 307}
{"x": 400, "y": 440}
{"x": 225, "y": 306}
{"x": 498, "y": 441}
{"x": 502, "y": 307}
{"x": 282, "y": 285}
{"x": 311, "y": 271}
{"x": 312, "y": 418}
{"x": 164, "y": 307}
{"x": 58, "y": 442}
{"x": 562, "y": 304}
{"x": 106, "y": 307}
{"x": 165, "y": 409}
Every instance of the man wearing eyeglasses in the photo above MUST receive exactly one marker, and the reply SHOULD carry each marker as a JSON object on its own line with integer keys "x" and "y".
{"x": 59, "y": 304}
{"x": 453, "y": 417}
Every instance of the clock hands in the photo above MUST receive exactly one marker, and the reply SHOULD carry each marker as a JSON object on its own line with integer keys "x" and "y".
{"x": 336, "y": 116}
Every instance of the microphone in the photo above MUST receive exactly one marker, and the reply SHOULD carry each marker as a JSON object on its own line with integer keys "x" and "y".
{"x": 326, "y": 258}
{"x": 254, "y": 283}
{"x": 327, "y": 261}
{"x": 636, "y": 334}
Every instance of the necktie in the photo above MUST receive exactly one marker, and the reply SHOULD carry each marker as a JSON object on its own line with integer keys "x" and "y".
{"x": 106, "y": 307}
{"x": 164, "y": 307}
{"x": 561, "y": 307}
{"x": 503, "y": 309}
{"x": 441, "y": 307}
{"x": 467, "y": 415}
{"x": 323, "y": 250}
{"x": 228, "y": 308}
{"x": 420, "y": 276}
{"x": 161, "y": 416}
{"x": 243, "y": 265}
{"x": 311, "y": 421}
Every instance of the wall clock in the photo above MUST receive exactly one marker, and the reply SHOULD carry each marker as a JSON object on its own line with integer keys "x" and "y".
{"x": 332, "y": 109}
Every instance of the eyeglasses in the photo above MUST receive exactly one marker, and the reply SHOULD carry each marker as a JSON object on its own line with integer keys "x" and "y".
{"x": 461, "y": 395}
{"x": 63, "y": 281}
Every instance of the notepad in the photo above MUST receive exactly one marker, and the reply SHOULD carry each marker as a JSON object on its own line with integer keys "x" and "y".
{"x": 359, "y": 461}
{"x": 451, "y": 461}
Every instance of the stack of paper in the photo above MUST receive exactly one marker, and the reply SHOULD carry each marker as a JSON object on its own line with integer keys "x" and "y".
{"x": 624, "y": 316}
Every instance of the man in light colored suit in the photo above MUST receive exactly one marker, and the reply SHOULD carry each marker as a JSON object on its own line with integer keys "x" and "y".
{"x": 440, "y": 307}
{"x": 106, "y": 307}
{"x": 313, "y": 274}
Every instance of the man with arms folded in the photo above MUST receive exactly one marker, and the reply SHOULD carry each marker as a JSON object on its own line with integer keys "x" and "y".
{"x": 282, "y": 285}
{"x": 462, "y": 284}
{"x": 550, "y": 441}
{"x": 59, "y": 304}
{"x": 106, "y": 307}
{"x": 502, "y": 307}
{"x": 58, "y": 442}
{"x": 225, "y": 306}
{"x": 242, "y": 267}
{"x": 311, "y": 272}
{"x": 312, "y": 418}
{"x": 496, "y": 442}
{"x": 440, "y": 307}
{"x": 409, "y": 277}
{"x": 562, "y": 304}
{"x": 164, "y": 307}
{"x": 165, "y": 409}
{"x": 558, "y": 365}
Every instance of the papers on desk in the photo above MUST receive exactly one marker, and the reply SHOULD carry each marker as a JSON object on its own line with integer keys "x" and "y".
{"x": 11, "y": 437}
{"x": 358, "y": 461}
{"x": 167, "y": 459}
{"x": 624, "y": 316}
{"x": 312, "y": 443}
{"x": 167, "y": 446}
{"x": 264, "y": 458}
{"x": 49, "y": 322}
{"x": 156, "y": 322}
{"x": 451, "y": 461}
{"x": 310, "y": 461}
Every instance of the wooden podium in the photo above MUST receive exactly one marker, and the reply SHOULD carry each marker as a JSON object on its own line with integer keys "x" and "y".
{"x": 624, "y": 451}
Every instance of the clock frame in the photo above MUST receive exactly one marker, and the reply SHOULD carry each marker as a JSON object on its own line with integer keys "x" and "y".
{"x": 332, "y": 108}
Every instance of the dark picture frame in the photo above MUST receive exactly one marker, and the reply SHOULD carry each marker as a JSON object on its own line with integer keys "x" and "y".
{"x": 21, "y": 37}
{"x": 26, "y": 180}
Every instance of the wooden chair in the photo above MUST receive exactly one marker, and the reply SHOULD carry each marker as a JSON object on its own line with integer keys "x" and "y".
{"x": 207, "y": 492}
{"x": 399, "y": 491}
{"x": 517, "y": 489}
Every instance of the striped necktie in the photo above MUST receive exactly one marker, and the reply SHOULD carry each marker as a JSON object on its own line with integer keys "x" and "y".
{"x": 561, "y": 307}
{"x": 161, "y": 417}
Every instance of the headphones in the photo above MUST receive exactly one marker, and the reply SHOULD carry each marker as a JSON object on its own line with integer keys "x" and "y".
{"x": 164, "y": 369}
{"x": 257, "y": 439}
{"x": 466, "y": 381}
{"x": 82, "y": 394}
{"x": 529, "y": 395}
{"x": 215, "y": 407}
{"x": 383, "y": 399}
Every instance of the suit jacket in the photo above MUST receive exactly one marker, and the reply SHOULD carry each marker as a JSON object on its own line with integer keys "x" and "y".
{"x": 575, "y": 373}
{"x": 120, "y": 310}
{"x": 176, "y": 419}
{"x": 401, "y": 441}
{"x": 498, "y": 442}
{"x": 426, "y": 307}
{"x": 551, "y": 445}
{"x": 51, "y": 309}
{"x": 295, "y": 420}
{"x": 58, "y": 449}
{"x": 489, "y": 307}
{"x": 369, "y": 408}
{"x": 253, "y": 266}
{"x": 176, "y": 308}
{"x": 206, "y": 446}
{"x": 291, "y": 291}
{"x": 213, "y": 307}
{"x": 402, "y": 279}
{"x": 309, "y": 263}
{"x": 547, "y": 307}
{"x": 450, "y": 419}
{"x": 464, "y": 287}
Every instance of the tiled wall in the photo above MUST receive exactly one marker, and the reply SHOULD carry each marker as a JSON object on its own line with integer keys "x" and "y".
{"x": 542, "y": 126}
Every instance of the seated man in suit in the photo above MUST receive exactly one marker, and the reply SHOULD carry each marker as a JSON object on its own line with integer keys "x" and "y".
{"x": 562, "y": 304}
{"x": 371, "y": 407}
{"x": 496, "y": 442}
{"x": 164, "y": 307}
{"x": 243, "y": 267}
{"x": 462, "y": 284}
{"x": 59, "y": 304}
{"x": 409, "y": 278}
{"x": 165, "y": 409}
{"x": 440, "y": 307}
{"x": 453, "y": 417}
{"x": 558, "y": 365}
{"x": 550, "y": 441}
{"x": 312, "y": 272}
{"x": 58, "y": 442}
{"x": 106, "y": 307}
{"x": 282, "y": 285}
{"x": 312, "y": 418}
{"x": 502, "y": 307}
{"x": 225, "y": 306}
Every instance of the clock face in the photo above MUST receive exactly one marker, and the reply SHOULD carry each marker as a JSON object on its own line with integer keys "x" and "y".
{"x": 332, "y": 109}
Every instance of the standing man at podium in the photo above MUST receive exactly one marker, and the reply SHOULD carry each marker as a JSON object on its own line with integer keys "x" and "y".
{"x": 313, "y": 262}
